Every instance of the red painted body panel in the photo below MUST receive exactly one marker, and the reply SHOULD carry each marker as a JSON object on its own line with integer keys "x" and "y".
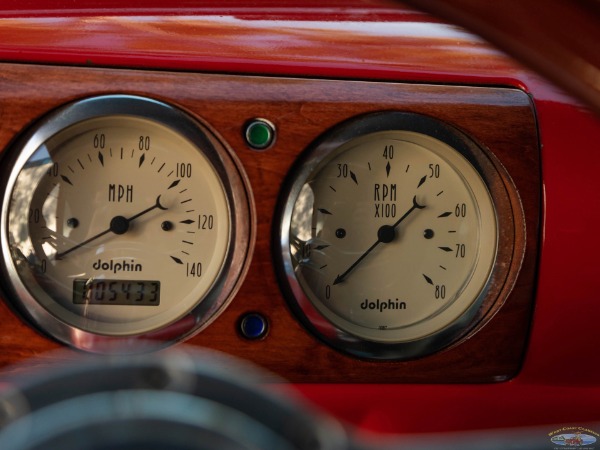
{"x": 559, "y": 382}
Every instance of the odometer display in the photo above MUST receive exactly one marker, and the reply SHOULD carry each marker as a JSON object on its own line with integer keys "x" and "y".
{"x": 116, "y": 292}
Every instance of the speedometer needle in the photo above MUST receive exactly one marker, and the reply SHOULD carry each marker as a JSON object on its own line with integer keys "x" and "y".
{"x": 385, "y": 234}
{"x": 118, "y": 225}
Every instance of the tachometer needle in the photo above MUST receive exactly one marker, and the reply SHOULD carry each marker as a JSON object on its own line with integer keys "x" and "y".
{"x": 118, "y": 225}
{"x": 385, "y": 234}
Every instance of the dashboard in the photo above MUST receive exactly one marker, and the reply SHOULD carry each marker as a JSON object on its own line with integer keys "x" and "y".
{"x": 370, "y": 203}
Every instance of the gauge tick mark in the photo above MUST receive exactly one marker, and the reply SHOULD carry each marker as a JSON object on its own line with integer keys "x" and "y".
{"x": 66, "y": 179}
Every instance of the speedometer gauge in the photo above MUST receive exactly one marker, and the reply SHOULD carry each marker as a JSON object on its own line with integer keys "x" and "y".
{"x": 390, "y": 235}
{"x": 123, "y": 217}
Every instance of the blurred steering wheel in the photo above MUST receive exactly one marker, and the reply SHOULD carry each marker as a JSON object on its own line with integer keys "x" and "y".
{"x": 556, "y": 38}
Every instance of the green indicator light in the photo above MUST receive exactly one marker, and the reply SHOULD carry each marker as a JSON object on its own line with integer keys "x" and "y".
{"x": 260, "y": 134}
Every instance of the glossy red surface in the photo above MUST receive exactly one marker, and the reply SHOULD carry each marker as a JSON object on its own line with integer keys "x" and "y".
{"x": 559, "y": 382}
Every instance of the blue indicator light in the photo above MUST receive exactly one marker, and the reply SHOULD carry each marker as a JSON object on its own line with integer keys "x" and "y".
{"x": 253, "y": 326}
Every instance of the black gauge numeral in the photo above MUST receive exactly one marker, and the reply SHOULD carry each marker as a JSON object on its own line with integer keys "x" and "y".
{"x": 99, "y": 141}
{"x": 144, "y": 143}
{"x": 206, "y": 222}
{"x": 34, "y": 215}
{"x": 184, "y": 170}
{"x": 193, "y": 270}
{"x": 388, "y": 152}
{"x": 440, "y": 291}
{"x": 460, "y": 210}
{"x": 434, "y": 170}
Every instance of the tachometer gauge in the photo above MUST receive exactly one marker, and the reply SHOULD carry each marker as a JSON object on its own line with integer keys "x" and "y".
{"x": 389, "y": 236}
{"x": 123, "y": 218}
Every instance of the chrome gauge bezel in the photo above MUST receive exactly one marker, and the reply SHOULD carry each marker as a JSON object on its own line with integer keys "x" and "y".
{"x": 491, "y": 296}
{"x": 240, "y": 216}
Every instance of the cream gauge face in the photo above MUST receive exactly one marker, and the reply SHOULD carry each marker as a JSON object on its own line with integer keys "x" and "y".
{"x": 389, "y": 238}
{"x": 120, "y": 222}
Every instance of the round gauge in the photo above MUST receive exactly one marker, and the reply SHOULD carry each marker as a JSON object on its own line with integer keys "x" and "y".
{"x": 390, "y": 236}
{"x": 123, "y": 218}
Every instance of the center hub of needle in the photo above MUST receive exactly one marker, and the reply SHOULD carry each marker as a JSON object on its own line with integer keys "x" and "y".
{"x": 386, "y": 234}
{"x": 119, "y": 225}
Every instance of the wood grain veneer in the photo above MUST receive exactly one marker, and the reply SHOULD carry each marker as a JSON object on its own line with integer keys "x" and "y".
{"x": 501, "y": 120}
